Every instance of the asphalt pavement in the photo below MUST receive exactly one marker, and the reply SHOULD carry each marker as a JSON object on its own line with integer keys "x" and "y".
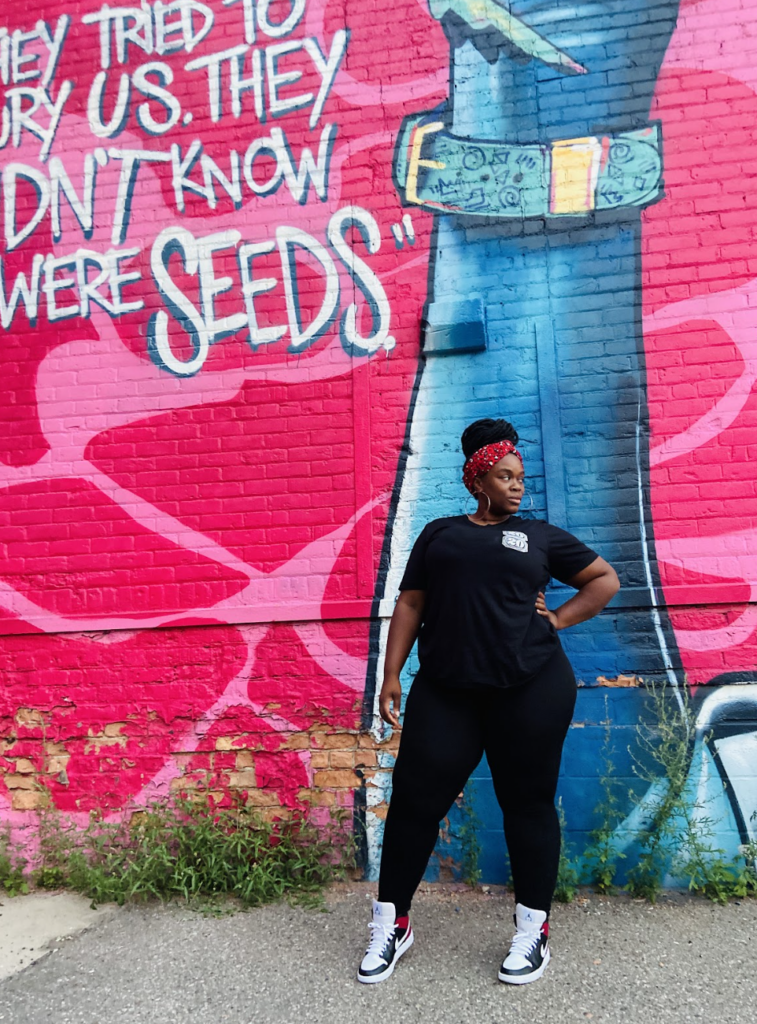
{"x": 615, "y": 961}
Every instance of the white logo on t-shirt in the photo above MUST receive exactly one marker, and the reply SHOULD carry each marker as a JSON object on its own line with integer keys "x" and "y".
{"x": 514, "y": 540}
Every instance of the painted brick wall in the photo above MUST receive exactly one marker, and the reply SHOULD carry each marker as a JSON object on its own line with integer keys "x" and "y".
{"x": 224, "y": 242}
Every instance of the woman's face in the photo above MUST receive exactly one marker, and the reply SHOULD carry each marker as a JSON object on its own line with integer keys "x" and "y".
{"x": 503, "y": 485}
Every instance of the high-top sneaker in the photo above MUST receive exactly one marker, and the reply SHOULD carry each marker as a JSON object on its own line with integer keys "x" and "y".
{"x": 388, "y": 943}
{"x": 529, "y": 950}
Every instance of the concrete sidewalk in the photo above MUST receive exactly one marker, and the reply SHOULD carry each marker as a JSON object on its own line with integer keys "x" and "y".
{"x": 615, "y": 961}
{"x": 31, "y": 926}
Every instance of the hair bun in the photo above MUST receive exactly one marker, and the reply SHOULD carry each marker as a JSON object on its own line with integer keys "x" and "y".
{"x": 482, "y": 432}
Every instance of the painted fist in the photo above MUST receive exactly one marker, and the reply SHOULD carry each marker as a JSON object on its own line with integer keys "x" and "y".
{"x": 575, "y": 70}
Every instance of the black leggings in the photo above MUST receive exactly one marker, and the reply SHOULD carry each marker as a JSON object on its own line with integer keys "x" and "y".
{"x": 445, "y": 733}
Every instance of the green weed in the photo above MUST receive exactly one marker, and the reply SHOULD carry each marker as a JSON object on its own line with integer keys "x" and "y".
{"x": 678, "y": 837}
{"x": 12, "y": 868}
{"x": 602, "y": 856}
{"x": 470, "y": 871}
{"x": 566, "y": 889}
{"x": 194, "y": 852}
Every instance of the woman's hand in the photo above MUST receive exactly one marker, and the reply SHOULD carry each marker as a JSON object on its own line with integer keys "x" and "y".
{"x": 403, "y": 629}
{"x": 541, "y": 608}
{"x": 389, "y": 701}
{"x": 597, "y": 584}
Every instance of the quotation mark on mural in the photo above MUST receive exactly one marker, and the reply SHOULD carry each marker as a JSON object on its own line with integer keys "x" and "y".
{"x": 409, "y": 231}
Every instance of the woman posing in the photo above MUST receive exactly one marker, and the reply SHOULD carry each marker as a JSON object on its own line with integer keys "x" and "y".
{"x": 493, "y": 679}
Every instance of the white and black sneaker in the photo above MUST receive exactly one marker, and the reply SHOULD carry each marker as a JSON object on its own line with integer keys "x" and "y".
{"x": 529, "y": 950}
{"x": 388, "y": 943}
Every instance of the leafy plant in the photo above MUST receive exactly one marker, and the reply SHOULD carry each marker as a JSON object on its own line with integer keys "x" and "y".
{"x": 602, "y": 856}
{"x": 706, "y": 869}
{"x": 667, "y": 744}
{"x": 470, "y": 870}
{"x": 678, "y": 836}
{"x": 196, "y": 852}
{"x": 12, "y": 868}
{"x": 566, "y": 889}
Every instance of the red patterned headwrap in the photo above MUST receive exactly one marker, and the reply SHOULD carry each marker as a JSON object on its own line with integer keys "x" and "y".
{"x": 482, "y": 461}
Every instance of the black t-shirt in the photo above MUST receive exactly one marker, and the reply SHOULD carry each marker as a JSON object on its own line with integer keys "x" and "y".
{"x": 480, "y": 626}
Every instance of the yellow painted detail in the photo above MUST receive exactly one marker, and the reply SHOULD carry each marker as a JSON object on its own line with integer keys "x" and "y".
{"x": 575, "y": 169}
{"x": 415, "y": 161}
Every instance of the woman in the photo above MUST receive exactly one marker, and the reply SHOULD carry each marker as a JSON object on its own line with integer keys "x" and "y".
{"x": 493, "y": 678}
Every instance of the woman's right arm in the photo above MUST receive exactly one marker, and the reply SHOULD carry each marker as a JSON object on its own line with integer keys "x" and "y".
{"x": 403, "y": 630}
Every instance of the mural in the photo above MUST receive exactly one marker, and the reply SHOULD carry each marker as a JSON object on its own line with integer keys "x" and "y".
{"x": 208, "y": 359}
{"x": 261, "y": 261}
{"x": 538, "y": 167}
{"x": 555, "y": 202}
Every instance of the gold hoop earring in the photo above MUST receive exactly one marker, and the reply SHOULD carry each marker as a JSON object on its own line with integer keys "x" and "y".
{"x": 475, "y": 497}
{"x": 485, "y": 513}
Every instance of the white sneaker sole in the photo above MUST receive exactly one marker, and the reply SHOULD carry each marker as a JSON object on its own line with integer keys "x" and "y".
{"x": 525, "y": 979}
{"x": 376, "y": 978}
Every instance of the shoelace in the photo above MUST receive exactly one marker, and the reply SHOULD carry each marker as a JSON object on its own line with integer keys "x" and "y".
{"x": 380, "y": 935}
{"x": 524, "y": 942}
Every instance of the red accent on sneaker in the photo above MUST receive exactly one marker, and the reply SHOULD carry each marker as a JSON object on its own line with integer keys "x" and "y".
{"x": 402, "y": 922}
{"x": 545, "y": 929}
